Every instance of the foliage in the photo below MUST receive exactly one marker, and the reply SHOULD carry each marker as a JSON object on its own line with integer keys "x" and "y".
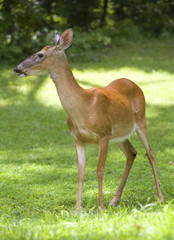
{"x": 85, "y": 43}
{"x": 38, "y": 173}
{"x": 25, "y": 24}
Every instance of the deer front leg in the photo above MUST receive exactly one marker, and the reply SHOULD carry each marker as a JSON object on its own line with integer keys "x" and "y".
{"x": 103, "y": 150}
{"x": 81, "y": 156}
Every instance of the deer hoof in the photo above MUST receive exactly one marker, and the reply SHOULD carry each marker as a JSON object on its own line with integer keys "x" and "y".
{"x": 101, "y": 208}
{"x": 77, "y": 211}
{"x": 115, "y": 201}
{"x": 161, "y": 198}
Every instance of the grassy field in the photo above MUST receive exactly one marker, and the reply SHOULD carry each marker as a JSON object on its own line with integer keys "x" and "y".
{"x": 38, "y": 166}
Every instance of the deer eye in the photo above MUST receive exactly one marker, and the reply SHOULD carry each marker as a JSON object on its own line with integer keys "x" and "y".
{"x": 40, "y": 55}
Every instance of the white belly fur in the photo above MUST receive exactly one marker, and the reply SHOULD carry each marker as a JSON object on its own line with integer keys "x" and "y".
{"x": 122, "y": 139}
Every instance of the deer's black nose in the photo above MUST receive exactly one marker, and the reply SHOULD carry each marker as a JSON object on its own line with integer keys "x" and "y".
{"x": 17, "y": 70}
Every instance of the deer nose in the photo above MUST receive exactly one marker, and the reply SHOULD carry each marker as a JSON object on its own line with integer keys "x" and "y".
{"x": 17, "y": 70}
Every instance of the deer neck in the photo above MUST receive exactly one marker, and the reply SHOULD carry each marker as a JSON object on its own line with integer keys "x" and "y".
{"x": 70, "y": 93}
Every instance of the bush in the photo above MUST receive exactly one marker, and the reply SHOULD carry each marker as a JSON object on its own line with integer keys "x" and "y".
{"x": 85, "y": 43}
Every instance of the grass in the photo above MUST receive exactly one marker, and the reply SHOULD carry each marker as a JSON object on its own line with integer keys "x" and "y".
{"x": 38, "y": 167}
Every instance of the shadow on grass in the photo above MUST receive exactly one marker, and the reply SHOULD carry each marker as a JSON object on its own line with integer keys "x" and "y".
{"x": 32, "y": 125}
{"x": 42, "y": 125}
{"x": 10, "y": 85}
{"x": 35, "y": 135}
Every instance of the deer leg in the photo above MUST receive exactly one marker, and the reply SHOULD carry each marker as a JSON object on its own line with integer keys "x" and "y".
{"x": 103, "y": 150}
{"x": 81, "y": 156}
{"x": 130, "y": 154}
{"x": 142, "y": 133}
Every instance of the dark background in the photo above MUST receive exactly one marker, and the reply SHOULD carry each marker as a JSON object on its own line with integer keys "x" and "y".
{"x": 28, "y": 25}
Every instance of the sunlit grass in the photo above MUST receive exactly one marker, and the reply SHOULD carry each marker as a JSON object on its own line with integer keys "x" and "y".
{"x": 125, "y": 224}
{"x": 38, "y": 167}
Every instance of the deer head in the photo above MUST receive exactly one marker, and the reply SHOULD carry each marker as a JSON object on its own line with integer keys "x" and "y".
{"x": 43, "y": 62}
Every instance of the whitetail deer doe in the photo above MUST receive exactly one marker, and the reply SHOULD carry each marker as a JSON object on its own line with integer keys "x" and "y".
{"x": 96, "y": 115}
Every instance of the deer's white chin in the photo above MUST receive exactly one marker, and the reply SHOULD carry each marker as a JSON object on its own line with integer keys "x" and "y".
{"x": 22, "y": 75}
{"x": 38, "y": 73}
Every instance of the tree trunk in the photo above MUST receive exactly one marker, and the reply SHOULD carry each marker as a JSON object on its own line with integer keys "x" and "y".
{"x": 103, "y": 18}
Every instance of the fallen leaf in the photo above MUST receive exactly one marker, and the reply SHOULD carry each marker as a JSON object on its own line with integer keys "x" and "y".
{"x": 138, "y": 227}
{"x": 171, "y": 163}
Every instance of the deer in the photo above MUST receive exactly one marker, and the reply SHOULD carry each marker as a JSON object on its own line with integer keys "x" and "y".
{"x": 97, "y": 115}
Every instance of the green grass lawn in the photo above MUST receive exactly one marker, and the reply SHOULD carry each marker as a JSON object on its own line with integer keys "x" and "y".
{"x": 38, "y": 166}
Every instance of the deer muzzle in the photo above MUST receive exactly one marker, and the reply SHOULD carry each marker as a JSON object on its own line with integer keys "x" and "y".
{"x": 19, "y": 72}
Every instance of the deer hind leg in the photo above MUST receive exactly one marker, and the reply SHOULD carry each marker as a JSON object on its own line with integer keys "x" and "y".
{"x": 103, "y": 150}
{"x": 130, "y": 154}
{"x": 142, "y": 133}
{"x": 81, "y": 156}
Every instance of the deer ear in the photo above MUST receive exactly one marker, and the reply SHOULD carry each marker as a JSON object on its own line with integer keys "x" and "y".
{"x": 66, "y": 39}
{"x": 57, "y": 38}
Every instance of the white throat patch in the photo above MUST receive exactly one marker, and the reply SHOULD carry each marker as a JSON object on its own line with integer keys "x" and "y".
{"x": 53, "y": 76}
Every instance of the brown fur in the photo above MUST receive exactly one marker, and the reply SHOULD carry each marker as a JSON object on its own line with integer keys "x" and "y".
{"x": 95, "y": 115}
